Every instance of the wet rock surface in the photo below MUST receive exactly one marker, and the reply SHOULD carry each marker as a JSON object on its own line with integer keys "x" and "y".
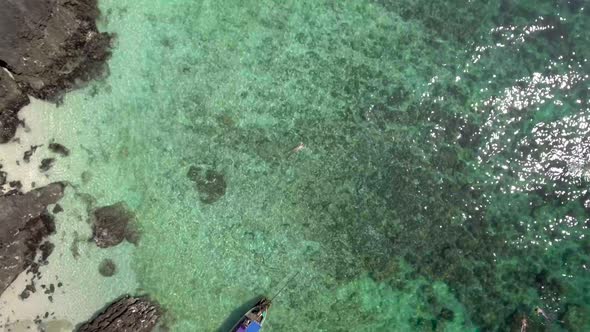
{"x": 210, "y": 184}
{"x": 11, "y": 100}
{"x": 2, "y": 178}
{"x": 46, "y": 48}
{"x": 24, "y": 225}
{"x": 112, "y": 224}
{"x": 129, "y": 314}
{"x": 8, "y": 124}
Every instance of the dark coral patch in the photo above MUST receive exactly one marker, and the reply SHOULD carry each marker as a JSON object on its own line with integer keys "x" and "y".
{"x": 210, "y": 184}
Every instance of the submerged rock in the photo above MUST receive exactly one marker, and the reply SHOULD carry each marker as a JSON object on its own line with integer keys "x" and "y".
{"x": 129, "y": 314}
{"x": 57, "y": 209}
{"x": 112, "y": 224}
{"x": 107, "y": 268}
{"x": 59, "y": 149}
{"x": 210, "y": 184}
{"x": 23, "y": 227}
{"x": 46, "y": 164}
{"x": 15, "y": 184}
{"x": 27, "y": 155}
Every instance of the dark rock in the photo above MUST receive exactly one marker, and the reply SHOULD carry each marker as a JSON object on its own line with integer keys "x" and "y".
{"x": 46, "y": 48}
{"x": 50, "y": 45}
{"x": 8, "y": 124}
{"x": 46, "y": 164}
{"x": 12, "y": 192}
{"x": 30, "y": 288}
{"x": 16, "y": 188}
{"x": 12, "y": 99}
{"x": 24, "y": 295}
{"x": 111, "y": 225}
{"x": 2, "y": 178}
{"x": 210, "y": 184}
{"x": 129, "y": 314}
{"x": 57, "y": 209}
{"x": 46, "y": 249}
{"x": 59, "y": 149}
{"x": 29, "y": 153}
{"x": 23, "y": 226}
{"x": 107, "y": 268}
{"x": 50, "y": 289}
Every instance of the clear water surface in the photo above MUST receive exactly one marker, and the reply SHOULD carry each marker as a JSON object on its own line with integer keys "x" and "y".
{"x": 443, "y": 179}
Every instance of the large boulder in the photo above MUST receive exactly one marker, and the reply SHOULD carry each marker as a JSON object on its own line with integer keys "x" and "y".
{"x": 129, "y": 314}
{"x": 50, "y": 44}
{"x": 112, "y": 224}
{"x": 46, "y": 48}
{"x": 11, "y": 100}
{"x": 24, "y": 225}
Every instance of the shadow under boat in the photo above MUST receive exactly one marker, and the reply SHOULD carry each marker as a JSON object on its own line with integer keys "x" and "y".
{"x": 238, "y": 313}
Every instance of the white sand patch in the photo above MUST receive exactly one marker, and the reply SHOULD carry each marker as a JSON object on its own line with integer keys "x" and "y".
{"x": 32, "y": 134}
{"x": 74, "y": 261}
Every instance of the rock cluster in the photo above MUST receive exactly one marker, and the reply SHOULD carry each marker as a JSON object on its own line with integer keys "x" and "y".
{"x": 129, "y": 314}
{"x": 24, "y": 224}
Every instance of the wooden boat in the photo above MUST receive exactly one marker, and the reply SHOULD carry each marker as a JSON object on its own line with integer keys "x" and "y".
{"x": 252, "y": 320}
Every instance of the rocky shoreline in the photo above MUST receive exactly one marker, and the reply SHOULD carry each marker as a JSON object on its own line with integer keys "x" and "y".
{"x": 25, "y": 223}
{"x": 48, "y": 47}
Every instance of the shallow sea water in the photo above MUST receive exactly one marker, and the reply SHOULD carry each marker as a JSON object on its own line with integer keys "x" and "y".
{"x": 442, "y": 186}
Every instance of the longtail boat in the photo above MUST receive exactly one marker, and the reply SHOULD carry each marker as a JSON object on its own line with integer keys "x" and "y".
{"x": 253, "y": 319}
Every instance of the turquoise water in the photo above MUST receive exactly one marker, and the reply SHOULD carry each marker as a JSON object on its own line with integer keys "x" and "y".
{"x": 442, "y": 184}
